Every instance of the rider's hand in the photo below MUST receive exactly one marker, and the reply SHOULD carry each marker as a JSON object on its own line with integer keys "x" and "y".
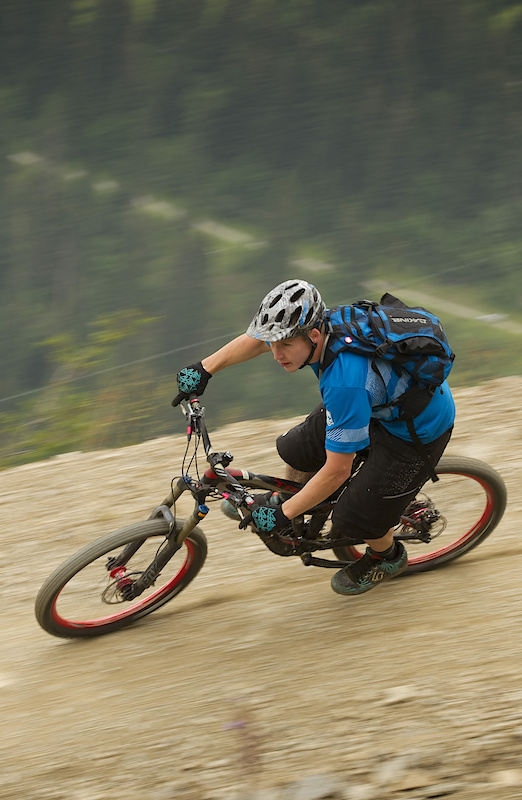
{"x": 266, "y": 518}
{"x": 191, "y": 380}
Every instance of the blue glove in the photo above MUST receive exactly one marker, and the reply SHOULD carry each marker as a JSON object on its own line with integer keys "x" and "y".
{"x": 266, "y": 518}
{"x": 191, "y": 380}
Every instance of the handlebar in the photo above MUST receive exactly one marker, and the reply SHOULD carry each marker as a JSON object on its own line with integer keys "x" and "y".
{"x": 218, "y": 461}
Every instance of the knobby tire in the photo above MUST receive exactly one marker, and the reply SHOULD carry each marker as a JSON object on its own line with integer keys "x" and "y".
{"x": 85, "y": 580}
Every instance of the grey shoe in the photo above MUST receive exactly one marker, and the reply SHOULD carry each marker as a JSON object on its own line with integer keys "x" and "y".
{"x": 367, "y": 572}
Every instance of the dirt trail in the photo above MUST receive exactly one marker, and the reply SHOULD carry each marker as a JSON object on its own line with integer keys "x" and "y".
{"x": 260, "y": 678}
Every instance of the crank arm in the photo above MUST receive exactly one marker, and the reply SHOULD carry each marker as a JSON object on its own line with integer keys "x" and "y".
{"x": 311, "y": 561}
{"x": 418, "y": 536}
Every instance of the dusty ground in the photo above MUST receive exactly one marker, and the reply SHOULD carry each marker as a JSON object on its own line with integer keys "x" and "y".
{"x": 414, "y": 690}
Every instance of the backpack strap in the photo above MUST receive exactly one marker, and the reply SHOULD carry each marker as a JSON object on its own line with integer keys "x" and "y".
{"x": 326, "y": 357}
{"x": 412, "y": 403}
{"x": 372, "y": 312}
{"x": 422, "y": 450}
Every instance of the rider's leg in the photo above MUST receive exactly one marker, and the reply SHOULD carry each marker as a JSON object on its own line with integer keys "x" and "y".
{"x": 372, "y": 505}
{"x": 383, "y": 543}
{"x": 302, "y": 447}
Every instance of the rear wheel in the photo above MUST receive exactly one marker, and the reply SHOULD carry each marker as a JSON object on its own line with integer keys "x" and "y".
{"x": 82, "y": 598}
{"x": 462, "y": 508}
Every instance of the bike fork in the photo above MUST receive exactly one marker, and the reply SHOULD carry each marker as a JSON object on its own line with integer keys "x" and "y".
{"x": 130, "y": 588}
{"x": 114, "y": 564}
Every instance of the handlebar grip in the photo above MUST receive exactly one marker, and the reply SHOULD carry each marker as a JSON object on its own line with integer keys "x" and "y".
{"x": 183, "y": 396}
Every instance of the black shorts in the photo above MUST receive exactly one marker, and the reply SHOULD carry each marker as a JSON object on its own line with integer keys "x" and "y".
{"x": 391, "y": 475}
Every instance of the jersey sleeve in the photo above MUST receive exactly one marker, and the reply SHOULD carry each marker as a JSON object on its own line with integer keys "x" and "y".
{"x": 348, "y": 413}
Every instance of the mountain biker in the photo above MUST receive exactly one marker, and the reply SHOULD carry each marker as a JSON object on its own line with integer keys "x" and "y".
{"x": 320, "y": 451}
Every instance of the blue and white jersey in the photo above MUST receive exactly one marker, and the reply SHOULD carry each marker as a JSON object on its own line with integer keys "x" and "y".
{"x": 353, "y": 392}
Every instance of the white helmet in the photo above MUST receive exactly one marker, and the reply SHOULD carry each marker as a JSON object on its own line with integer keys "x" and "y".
{"x": 291, "y": 309}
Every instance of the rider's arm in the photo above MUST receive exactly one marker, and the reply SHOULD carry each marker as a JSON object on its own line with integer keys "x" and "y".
{"x": 333, "y": 474}
{"x": 243, "y": 348}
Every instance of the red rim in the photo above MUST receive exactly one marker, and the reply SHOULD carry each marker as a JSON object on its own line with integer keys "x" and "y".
{"x": 457, "y": 543}
{"x": 130, "y": 610}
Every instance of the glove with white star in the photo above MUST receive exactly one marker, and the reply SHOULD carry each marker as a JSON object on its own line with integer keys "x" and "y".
{"x": 191, "y": 380}
{"x": 266, "y": 518}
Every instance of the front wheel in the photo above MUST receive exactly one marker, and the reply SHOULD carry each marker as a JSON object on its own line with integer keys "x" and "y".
{"x": 466, "y": 504}
{"x": 81, "y": 598}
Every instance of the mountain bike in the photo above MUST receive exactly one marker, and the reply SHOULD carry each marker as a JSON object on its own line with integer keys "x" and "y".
{"x": 130, "y": 573}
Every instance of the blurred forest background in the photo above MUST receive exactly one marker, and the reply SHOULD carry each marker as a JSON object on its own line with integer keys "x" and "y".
{"x": 164, "y": 163}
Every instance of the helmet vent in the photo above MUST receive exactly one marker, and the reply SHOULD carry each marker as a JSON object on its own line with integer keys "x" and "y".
{"x": 294, "y": 319}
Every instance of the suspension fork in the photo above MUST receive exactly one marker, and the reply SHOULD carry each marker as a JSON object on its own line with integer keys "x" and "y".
{"x": 162, "y": 511}
{"x": 133, "y": 589}
{"x": 173, "y": 544}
